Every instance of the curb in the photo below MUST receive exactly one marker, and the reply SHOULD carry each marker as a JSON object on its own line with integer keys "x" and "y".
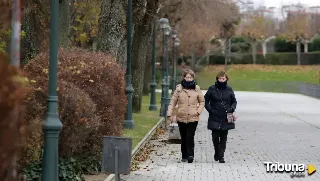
{"x": 140, "y": 145}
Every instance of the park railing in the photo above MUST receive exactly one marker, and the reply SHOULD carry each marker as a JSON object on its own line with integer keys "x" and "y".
{"x": 295, "y": 87}
{"x": 312, "y": 90}
{"x": 308, "y": 89}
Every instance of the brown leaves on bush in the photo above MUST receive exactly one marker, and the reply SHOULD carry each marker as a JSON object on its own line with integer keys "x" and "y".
{"x": 76, "y": 105}
{"x": 11, "y": 110}
{"x": 97, "y": 74}
{"x": 92, "y": 100}
{"x": 5, "y": 16}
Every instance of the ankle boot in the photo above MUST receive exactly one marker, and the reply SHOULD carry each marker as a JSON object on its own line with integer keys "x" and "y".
{"x": 221, "y": 160}
{"x": 190, "y": 159}
{"x": 216, "y": 153}
{"x": 221, "y": 155}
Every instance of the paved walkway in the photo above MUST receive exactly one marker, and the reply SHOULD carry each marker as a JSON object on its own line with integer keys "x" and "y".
{"x": 271, "y": 127}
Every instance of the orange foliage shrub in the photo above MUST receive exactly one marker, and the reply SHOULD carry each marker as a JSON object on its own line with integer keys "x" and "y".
{"x": 5, "y": 16}
{"x": 92, "y": 101}
{"x": 11, "y": 123}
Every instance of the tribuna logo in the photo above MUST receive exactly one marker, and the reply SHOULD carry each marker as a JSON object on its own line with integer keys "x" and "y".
{"x": 295, "y": 169}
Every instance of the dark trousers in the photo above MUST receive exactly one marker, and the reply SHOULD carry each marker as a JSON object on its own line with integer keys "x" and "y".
{"x": 187, "y": 132}
{"x": 219, "y": 139}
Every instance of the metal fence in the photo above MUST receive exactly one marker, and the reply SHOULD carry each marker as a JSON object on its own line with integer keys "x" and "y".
{"x": 312, "y": 90}
{"x": 308, "y": 89}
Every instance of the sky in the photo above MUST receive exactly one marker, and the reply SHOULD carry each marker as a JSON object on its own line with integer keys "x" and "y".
{"x": 279, "y": 3}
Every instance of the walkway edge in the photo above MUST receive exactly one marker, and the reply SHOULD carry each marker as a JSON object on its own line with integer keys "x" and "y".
{"x": 141, "y": 144}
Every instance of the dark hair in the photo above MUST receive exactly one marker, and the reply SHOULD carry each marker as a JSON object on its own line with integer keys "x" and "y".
{"x": 222, "y": 74}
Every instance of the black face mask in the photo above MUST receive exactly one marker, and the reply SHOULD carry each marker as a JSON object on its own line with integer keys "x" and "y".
{"x": 221, "y": 85}
{"x": 188, "y": 84}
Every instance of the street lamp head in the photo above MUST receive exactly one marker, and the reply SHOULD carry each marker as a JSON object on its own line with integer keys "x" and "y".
{"x": 167, "y": 30}
{"x": 177, "y": 42}
{"x": 174, "y": 34}
{"x": 164, "y": 22}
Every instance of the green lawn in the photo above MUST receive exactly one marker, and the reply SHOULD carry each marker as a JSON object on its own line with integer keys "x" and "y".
{"x": 144, "y": 121}
{"x": 270, "y": 78}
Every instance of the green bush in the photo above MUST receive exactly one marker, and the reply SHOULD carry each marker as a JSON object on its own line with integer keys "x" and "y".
{"x": 315, "y": 45}
{"x": 70, "y": 169}
{"x": 282, "y": 45}
{"x": 311, "y": 58}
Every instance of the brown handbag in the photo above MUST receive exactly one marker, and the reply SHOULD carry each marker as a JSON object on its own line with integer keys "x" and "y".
{"x": 230, "y": 118}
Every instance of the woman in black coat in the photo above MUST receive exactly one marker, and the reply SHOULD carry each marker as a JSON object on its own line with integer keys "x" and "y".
{"x": 220, "y": 100}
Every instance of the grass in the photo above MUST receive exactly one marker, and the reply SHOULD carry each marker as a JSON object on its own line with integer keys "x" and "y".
{"x": 271, "y": 78}
{"x": 143, "y": 121}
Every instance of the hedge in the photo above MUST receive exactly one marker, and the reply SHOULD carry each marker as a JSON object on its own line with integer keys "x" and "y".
{"x": 281, "y": 45}
{"x": 312, "y": 58}
{"x": 91, "y": 90}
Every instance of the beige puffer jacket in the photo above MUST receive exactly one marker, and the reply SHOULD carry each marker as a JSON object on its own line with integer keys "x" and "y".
{"x": 190, "y": 104}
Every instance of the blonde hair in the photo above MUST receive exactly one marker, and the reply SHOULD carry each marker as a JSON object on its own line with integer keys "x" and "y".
{"x": 188, "y": 71}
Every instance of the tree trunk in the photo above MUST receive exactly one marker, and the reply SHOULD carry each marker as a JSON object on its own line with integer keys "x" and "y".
{"x": 264, "y": 48}
{"x": 207, "y": 54}
{"x": 139, "y": 53}
{"x": 148, "y": 69}
{"x": 254, "y": 52}
{"x": 65, "y": 22}
{"x": 29, "y": 43}
{"x": 141, "y": 41}
{"x": 122, "y": 52}
{"x": 227, "y": 55}
{"x": 298, "y": 53}
{"x": 112, "y": 29}
{"x": 193, "y": 59}
{"x": 306, "y": 49}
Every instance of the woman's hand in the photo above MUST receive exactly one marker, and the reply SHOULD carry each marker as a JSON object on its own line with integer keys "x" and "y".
{"x": 230, "y": 110}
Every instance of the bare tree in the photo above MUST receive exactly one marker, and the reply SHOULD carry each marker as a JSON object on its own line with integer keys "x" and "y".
{"x": 257, "y": 28}
{"x": 297, "y": 26}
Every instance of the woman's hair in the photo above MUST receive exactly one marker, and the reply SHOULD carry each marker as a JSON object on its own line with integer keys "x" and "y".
{"x": 222, "y": 74}
{"x": 188, "y": 71}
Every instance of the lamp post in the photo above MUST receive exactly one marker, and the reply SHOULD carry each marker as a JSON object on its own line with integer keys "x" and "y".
{"x": 153, "y": 85}
{"x": 163, "y": 24}
{"x": 128, "y": 122}
{"x": 174, "y": 35}
{"x": 52, "y": 125}
{"x": 176, "y": 44}
{"x": 16, "y": 30}
{"x": 166, "y": 31}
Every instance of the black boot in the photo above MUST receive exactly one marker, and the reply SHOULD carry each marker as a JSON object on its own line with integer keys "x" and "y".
{"x": 221, "y": 155}
{"x": 190, "y": 159}
{"x": 222, "y": 146}
{"x": 216, "y": 153}
{"x": 221, "y": 160}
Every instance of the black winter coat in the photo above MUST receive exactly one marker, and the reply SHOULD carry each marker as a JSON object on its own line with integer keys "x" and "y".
{"x": 219, "y": 102}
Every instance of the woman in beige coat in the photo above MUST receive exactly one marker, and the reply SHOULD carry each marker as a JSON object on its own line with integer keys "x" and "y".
{"x": 190, "y": 101}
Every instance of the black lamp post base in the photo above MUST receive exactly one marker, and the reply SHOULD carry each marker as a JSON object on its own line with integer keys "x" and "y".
{"x": 129, "y": 124}
{"x": 163, "y": 98}
{"x": 162, "y": 109}
{"x": 167, "y": 103}
{"x": 153, "y": 108}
